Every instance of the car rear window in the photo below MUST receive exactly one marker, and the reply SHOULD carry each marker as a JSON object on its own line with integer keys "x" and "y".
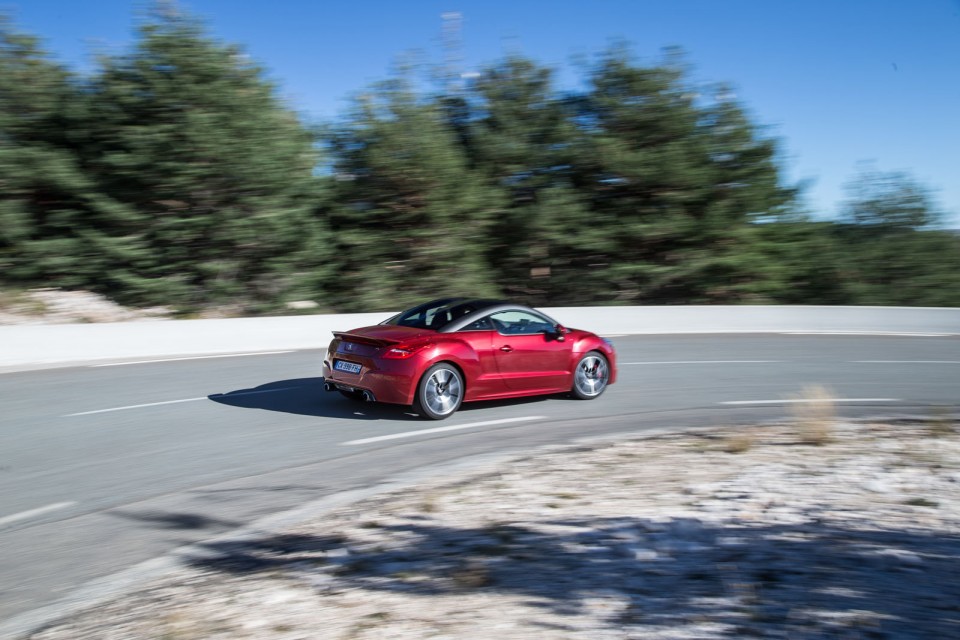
{"x": 436, "y": 314}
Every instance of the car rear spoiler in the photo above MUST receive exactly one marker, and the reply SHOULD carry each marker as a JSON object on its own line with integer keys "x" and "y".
{"x": 353, "y": 337}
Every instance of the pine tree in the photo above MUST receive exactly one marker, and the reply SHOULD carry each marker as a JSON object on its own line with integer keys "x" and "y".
{"x": 56, "y": 227}
{"x": 518, "y": 135}
{"x": 894, "y": 254}
{"x": 411, "y": 217}
{"x": 188, "y": 133}
{"x": 674, "y": 183}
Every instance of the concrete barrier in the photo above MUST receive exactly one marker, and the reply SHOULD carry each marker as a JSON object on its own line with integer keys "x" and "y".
{"x": 761, "y": 319}
{"x": 25, "y": 346}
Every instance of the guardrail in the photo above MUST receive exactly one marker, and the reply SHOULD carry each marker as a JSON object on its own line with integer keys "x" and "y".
{"x": 24, "y": 346}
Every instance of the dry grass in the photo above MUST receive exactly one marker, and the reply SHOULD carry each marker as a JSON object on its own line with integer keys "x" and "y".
{"x": 471, "y": 575}
{"x": 739, "y": 442}
{"x": 17, "y": 301}
{"x": 941, "y": 423}
{"x": 815, "y": 412}
{"x": 428, "y": 503}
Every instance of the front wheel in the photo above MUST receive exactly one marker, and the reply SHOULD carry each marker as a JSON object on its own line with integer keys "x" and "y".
{"x": 591, "y": 376}
{"x": 439, "y": 393}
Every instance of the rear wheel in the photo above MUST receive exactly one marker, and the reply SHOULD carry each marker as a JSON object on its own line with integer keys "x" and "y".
{"x": 591, "y": 376}
{"x": 440, "y": 392}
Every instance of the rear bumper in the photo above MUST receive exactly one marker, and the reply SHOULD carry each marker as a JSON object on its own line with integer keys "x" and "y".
{"x": 392, "y": 387}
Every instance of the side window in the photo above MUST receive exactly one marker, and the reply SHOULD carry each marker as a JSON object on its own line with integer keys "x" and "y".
{"x": 436, "y": 318}
{"x": 483, "y": 324}
{"x": 511, "y": 323}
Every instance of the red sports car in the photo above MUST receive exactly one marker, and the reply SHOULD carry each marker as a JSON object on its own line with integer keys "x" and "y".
{"x": 445, "y": 352}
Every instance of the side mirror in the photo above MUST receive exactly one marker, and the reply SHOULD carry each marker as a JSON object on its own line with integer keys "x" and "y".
{"x": 559, "y": 333}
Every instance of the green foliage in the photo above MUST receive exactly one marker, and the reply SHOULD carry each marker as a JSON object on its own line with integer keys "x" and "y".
{"x": 630, "y": 192}
{"x": 893, "y": 256}
{"x": 189, "y": 134}
{"x": 518, "y": 140}
{"x": 56, "y": 227}
{"x": 887, "y": 201}
{"x": 410, "y": 219}
{"x": 174, "y": 175}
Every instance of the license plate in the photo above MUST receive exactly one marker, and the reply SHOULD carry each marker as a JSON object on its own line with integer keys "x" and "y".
{"x": 349, "y": 367}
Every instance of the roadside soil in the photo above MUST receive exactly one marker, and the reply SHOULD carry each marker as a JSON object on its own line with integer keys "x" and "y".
{"x": 812, "y": 529}
{"x": 56, "y": 306}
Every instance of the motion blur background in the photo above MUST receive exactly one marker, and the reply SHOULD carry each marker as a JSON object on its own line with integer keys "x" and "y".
{"x": 252, "y": 158}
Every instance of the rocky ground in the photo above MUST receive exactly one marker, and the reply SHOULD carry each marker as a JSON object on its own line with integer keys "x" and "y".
{"x": 804, "y": 530}
{"x": 56, "y": 306}
{"x": 59, "y": 306}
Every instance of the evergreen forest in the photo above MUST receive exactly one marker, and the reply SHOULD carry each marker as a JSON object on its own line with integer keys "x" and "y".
{"x": 174, "y": 174}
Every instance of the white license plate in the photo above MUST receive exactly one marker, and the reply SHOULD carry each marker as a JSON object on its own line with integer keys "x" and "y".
{"x": 349, "y": 367}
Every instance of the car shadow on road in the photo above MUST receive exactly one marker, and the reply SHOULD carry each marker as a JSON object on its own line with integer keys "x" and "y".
{"x": 306, "y": 397}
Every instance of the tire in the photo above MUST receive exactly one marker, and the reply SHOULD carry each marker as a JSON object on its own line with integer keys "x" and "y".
{"x": 440, "y": 392}
{"x": 590, "y": 377}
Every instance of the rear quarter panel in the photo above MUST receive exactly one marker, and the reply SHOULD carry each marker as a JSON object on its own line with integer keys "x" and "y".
{"x": 472, "y": 353}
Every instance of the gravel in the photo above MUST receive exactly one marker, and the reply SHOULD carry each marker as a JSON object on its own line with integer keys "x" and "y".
{"x": 57, "y": 306}
{"x": 724, "y": 533}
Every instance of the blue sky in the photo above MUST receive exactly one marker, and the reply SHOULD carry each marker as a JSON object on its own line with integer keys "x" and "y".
{"x": 839, "y": 82}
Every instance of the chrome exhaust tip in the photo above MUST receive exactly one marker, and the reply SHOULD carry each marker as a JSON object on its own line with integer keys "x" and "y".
{"x": 368, "y": 397}
{"x": 329, "y": 386}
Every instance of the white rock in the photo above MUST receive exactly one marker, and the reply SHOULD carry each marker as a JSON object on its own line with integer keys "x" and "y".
{"x": 645, "y": 555}
{"x": 302, "y": 305}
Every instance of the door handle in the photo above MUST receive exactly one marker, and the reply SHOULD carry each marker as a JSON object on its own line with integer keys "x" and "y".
{"x": 506, "y": 348}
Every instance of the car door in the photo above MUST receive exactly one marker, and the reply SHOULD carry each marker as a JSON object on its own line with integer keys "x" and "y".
{"x": 486, "y": 381}
{"x": 528, "y": 354}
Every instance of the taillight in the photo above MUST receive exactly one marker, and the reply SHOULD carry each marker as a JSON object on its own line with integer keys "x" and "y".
{"x": 403, "y": 351}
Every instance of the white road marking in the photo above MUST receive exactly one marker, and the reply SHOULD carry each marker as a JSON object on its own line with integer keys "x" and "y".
{"x": 808, "y": 401}
{"x": 704, "y": 362}
{"x": 225, "y": 355}
{"x": 865, "y": 333}
{"x": 23, "y": 515}
{"x": 133, "y": 406}
{"x": 456, "y": 427}
{"x": 906, "y": 361}
{"x": 775, "y": 361}
{"x": 157, "y": 404}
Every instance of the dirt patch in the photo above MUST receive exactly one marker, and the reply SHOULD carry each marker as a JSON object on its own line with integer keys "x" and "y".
{"x": 726, "y": 533}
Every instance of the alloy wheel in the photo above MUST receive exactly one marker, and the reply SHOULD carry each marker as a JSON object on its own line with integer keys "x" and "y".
{"x": 442, "y": 392}
{"x": 591, "y": 376}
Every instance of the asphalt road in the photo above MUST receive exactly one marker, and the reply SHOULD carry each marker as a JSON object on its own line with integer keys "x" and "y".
{"x": 104, "y": 467}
